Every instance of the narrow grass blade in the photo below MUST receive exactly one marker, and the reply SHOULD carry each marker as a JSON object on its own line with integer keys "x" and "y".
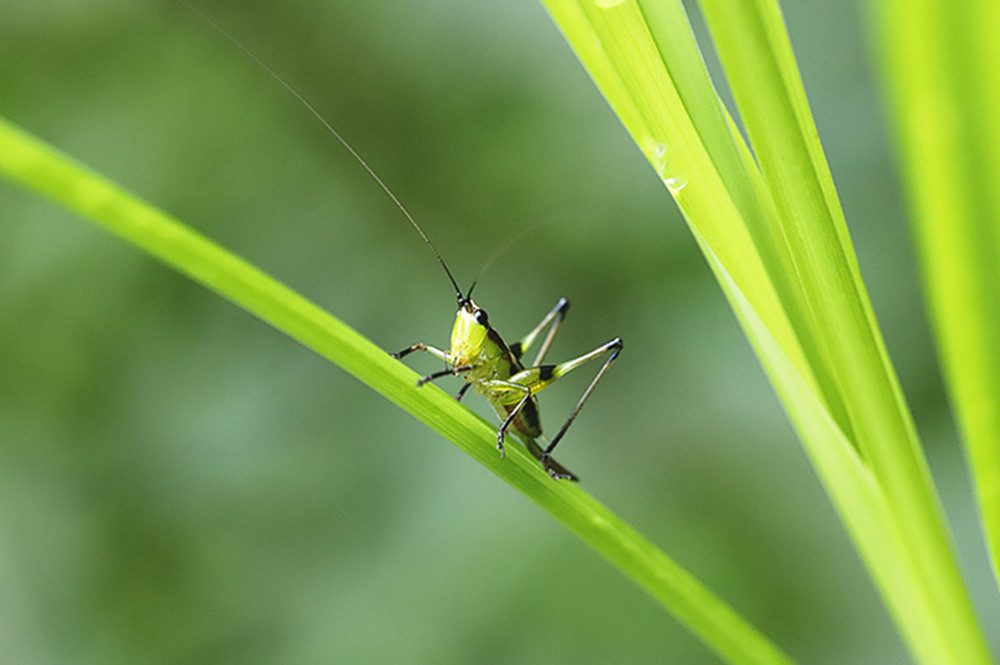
{"x": 753, "y": 45}
{"x": 38, "y": 167}
{"x": 942, "y": 68}
{"x": 771, "y": 227}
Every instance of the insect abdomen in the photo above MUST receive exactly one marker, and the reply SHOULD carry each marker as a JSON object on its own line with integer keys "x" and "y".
{"x": 527, "y": 422}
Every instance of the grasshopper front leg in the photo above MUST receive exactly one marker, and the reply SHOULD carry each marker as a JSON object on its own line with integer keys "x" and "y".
{"x": 437, "y": 353}
{"x": 420, "y": 346}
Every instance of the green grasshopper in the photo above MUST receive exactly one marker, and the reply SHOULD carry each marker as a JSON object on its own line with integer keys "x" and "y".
{"x": 481, "y": 356}
{"x": 477, "y": 351}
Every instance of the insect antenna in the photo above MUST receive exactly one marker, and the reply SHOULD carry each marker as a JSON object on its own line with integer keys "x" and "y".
{"x": 316, "y": 114}
{"x": 502, "y": 249}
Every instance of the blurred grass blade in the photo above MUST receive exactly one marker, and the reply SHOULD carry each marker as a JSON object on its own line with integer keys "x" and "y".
{"x": 775, "y": 236}
{"x": 852, "y": 487}
{"x": 754, "y": 48}
{"x": 942, "y": 68}
{"x": 34, "y": 165}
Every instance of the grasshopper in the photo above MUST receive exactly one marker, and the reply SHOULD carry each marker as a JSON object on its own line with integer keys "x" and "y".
{"x": 481, "y": 356}
{"x": 478, "y": 353}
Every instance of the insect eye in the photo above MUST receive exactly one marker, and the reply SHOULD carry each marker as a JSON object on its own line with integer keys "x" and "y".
{"x": 481, "y": 317}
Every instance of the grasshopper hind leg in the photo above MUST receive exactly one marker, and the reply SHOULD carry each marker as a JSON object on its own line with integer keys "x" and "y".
{"x": 555, "y": 469}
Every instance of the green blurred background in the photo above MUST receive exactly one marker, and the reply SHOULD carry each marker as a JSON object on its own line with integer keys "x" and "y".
{"x": 181, "y": 484}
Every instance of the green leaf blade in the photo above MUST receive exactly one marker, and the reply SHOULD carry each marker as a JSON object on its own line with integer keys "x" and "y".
{"x": 777, "y": 241}
{"x": 942, "y": 68}
{"x": 37, "y": 167}
{"x": 755, "y": 50}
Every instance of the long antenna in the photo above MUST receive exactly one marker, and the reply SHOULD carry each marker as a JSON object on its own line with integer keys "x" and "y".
{"x": 507, "y": 244}
{"x": 316, "y": 114}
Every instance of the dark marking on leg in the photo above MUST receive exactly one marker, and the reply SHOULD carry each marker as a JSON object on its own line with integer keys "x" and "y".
{"x": 419, "y": 346}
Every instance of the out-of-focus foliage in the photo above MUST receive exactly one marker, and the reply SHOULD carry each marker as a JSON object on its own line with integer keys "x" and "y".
{"x": 942, "y": 70}
{"x": 181, "y": 483}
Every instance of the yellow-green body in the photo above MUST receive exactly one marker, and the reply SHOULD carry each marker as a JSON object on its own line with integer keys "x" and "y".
{"x": 480, "y": 355}
{"x": 496, "y": 371}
